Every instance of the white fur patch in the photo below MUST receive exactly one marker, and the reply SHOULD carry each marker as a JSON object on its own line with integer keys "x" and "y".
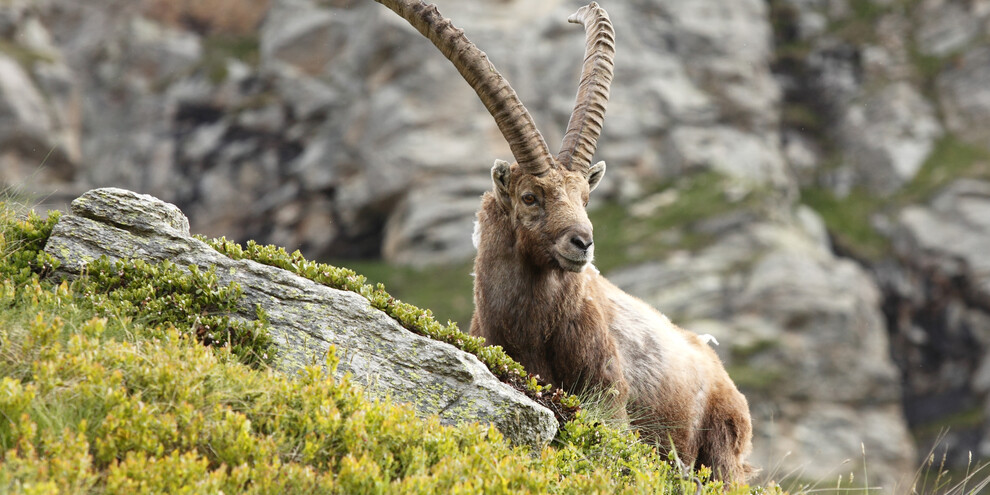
{"x": 476, "y": 235}
{"x": 708, "y": 339}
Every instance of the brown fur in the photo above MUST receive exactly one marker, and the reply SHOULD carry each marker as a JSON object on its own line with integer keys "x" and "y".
{"x": 568, "y": 324}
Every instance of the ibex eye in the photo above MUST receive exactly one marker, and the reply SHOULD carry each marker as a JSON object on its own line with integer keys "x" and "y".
{"x": 529, "y": 199}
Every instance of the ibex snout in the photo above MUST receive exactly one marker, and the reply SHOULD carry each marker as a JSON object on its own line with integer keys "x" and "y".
{"x": 576, "y": 248}
{"x": 582, "y": 240}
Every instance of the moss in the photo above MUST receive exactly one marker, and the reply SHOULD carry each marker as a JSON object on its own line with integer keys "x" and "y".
{"x": 219, "y": 48}
{"x": 849, "y": 220}
{"x": 25, "y": 57}
{"x": 755, "y": 379}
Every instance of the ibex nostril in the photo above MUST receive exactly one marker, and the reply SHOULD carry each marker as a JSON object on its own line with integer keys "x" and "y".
{"x": 582, "y": 243}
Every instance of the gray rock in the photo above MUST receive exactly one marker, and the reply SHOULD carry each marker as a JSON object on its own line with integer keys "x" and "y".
{"x": 945, "y": 27}
{"x": 755, "y": 159}
{"x": 964, "y": 94}
{"x": 367, "y": 105}
{"x": 306, "y": 318}
{"x": 161, "y": 52}
{"x": 296, "y": 31}
{"x": 29, "y": 132}
{"x": 887, "y": 137}
{"x": 22, "y": 102}
{"x": 954, "y": 229}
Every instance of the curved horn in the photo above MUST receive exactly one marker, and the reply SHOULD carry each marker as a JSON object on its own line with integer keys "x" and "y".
{"x": 586, "y": 121}
{"x": 512, "y": 118}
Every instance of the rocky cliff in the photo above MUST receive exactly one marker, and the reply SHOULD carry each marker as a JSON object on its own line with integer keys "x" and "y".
{"x": 804, "y": 179}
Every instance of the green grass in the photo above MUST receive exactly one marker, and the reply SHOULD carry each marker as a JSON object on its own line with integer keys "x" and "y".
{"x": 971, "y": 418}
{"x": 950, "y": 159}
{"x": 749, "y": 378}
{"x": 849, "y": 220}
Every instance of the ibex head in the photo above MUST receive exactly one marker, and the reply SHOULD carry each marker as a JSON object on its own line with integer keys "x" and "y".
{"x": 545, "y": 195}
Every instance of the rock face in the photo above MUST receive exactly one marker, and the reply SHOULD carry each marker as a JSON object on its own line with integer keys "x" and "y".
{"x": 341, "y": 118}
{"x": 938, "y": 304}
{"x": 306, "y": 318}
{"x": 965, "y": 96}
{"x": 801, "y": 333}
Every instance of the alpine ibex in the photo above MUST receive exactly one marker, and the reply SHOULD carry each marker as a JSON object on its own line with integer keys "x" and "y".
{"x": 536, "y": 293}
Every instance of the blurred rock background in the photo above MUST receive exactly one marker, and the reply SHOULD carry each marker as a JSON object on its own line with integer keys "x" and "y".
{"x": 807, "y": 180}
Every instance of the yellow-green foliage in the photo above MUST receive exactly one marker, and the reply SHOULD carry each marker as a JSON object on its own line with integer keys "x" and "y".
{"x": 95, "y": 401}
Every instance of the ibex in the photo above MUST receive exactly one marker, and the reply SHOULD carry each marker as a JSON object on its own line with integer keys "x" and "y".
{"x": 536, "y": 293}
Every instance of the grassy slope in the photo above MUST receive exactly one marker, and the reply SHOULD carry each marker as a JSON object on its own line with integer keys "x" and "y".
{"x": 107, "y": 388}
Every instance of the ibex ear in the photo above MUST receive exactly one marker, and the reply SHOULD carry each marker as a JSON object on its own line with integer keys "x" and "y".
{"x": 500, "y": 179}
{"x": 595, "y": 174}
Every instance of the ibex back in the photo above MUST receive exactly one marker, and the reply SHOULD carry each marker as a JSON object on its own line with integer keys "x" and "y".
{"x": 536, "y": 293}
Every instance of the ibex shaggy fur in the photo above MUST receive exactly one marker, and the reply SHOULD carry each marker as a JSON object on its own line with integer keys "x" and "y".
{"x": 538, "y": 296}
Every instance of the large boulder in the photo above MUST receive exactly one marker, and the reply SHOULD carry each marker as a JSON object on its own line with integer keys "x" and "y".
{"x": 306, "y": 318}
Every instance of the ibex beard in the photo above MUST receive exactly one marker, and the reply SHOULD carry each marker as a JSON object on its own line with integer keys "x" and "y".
{"x": 536, "y": 292}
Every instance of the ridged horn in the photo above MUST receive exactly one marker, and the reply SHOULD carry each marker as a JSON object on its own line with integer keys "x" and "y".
{"x": 585, "y": 126}
{"x": 511, "y": 117}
